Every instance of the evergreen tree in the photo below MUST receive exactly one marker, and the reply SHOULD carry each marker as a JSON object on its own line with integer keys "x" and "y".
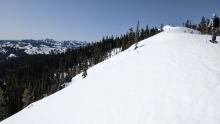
{"x": 26, "y": 98}
{"x": 137, "y": 36}
{"x": 188, "y": 24}
{"x": 161, "y": 27}
{"x": 147, "y": 32}
{"x": 3, "y": 106}
{"x": 131, "y": 37}
{"x": 84, "y": 74}
{"x": 142, "y": 34}
{"x": 203, "y": 25}
{"x": 85, "y": 67}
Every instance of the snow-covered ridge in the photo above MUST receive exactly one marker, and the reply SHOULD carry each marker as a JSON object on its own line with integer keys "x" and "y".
{"x": 169, "y": 28}
{"x": 37, "y": 46}
{"x": 171, "y": 78}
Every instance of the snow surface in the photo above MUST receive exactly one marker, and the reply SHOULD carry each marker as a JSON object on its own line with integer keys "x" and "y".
{"x": 2, "y": 50}
{"x": 169, "y": 28}
{"x": 172, "y": 78}
{"x": 11, "y": 56}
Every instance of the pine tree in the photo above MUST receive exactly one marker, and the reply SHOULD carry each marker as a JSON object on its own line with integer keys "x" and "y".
{"x": 161, "y": 27}
{"x": 85, "y": 67}
{"x": 131, "y": 37}
{"x": 84, "y": 74}
{"x": 3, "y": 106}
{"x": 203, "y": 25}
{"x": 26, "y": 98}
{"x": 137, "y": 36}
{"x": 147, "y": 32}
{"x": 188, "y": 24}
{"x": 142, "y": 34}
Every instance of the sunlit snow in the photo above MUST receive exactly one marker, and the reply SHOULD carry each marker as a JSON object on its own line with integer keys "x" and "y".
{"x": 172, "y": 78}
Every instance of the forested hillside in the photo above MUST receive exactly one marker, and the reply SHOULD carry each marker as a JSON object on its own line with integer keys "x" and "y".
{"x": 169, "y": 78}
{"x": 24, "y": 80}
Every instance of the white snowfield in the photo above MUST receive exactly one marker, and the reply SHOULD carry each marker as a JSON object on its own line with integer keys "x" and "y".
{"x": 172, "y": 78}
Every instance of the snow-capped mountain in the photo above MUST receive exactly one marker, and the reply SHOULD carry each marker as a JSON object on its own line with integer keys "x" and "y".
{"x": 46, "y": 46}
{"x": 171, "y": 78}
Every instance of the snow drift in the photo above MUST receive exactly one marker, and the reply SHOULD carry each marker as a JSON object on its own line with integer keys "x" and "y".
{"x": 172, "y": 78}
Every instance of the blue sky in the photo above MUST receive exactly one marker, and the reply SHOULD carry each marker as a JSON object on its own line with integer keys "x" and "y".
{"x": 90, "y": 20}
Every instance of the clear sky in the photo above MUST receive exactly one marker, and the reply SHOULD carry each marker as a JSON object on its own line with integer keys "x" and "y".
{"x": 91, "y": 19}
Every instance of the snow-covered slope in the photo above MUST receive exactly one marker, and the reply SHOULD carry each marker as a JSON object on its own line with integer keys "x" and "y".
{"x": 172, "y": 78}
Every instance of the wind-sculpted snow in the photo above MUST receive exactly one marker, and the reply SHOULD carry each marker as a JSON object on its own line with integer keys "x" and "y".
{"x": 172, "y": 78}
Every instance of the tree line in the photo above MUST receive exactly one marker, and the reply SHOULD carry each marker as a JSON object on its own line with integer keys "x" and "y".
{"x": 202, "y": 26}
{"x": 26, "y": 79}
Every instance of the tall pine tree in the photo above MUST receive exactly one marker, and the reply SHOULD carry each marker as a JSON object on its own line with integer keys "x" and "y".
{"x": 3, "y": 106}
{"x": 137, "y": 36}
{"x": 203, "y": 25}
{"x": 26, "y": 98}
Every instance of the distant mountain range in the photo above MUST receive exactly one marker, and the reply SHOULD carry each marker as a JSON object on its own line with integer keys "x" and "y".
{"x": 14, "y": 48}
